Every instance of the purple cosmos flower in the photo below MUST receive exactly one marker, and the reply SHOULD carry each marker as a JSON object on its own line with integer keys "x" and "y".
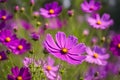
{"x": 6, "y": 37}
{"x": 50, "y": 70}
{"x": 20, "y": 74}
{"x": 115, "y": 45}
{"x": 97, "y": 55}
{"x": 90, "y": 6}
{"x": 100, "y": 22}
{"x": 4, "y": 15}
{"x": 51, "y": 10}
{"x": 3, "y": 56}
{"x": 95, "y": 73}
{"x": 65, "y": 48}
{"x": 19, "y": 46}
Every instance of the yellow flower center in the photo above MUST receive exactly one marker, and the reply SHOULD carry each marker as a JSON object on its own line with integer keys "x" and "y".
{"x": 19, "y": 78}
{"x": 118, "y": 45}
{"x": 48, "y": 68}
{"x": 7, "y": 39}
{"x": 99, "y": 22}
{"x": 64, "y": 50}
{"x": 95, "y": 55}
{"x": 0, "y": 57}
{"x": 20, "y": 47}
{"x": 51, "y": 11}
{"x": 3, "y": 17}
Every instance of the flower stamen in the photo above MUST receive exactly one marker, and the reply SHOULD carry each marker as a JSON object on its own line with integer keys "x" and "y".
{"x": 95, "y": 55}
{"x": 7, "y": 39}
{"x": 0, "y": 57}
{"x": 48, "y": 68}
{"x": 19, "y": 78}
{"x": 64, "y": 50}
{"x": 20, "y": 47}
{"x": 99, "y": 22}
{"x": 3, "y": 17}
{"x": 51, "y": 11}
{"x": 118, "y": 45}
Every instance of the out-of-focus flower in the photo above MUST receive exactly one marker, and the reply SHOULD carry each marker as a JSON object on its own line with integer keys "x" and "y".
{"x": 19, "y": 46}
{"x": 6, "y": 37}
{"x": 3, "y": 1}
{"x": 32, "y": 2}
{"x": 115, "y": 45}
{"x": 4, "y": 15}
{"x": 50, "y": 70}
{"x": 98, "y": 22}
{"x": 35, "y": 36}
{"x": 97, "y": 55}
{"x": 85, "y": 32}
{"x": 3, "y": 56}
{"x": 116, "y": 68}
{"x": 95, "y": 73}
{"x": 65, "y": 48}
{"x": 94, "y": 40}
{"x": 90, "y": 6}
{"x": 27, "y": 61}
{"x": 36, "y": 14}
{"x": 16, "y": 9}
{"x": 51, "y": 10}
{"x": 55, "y": 23}
{"x": 70, "y": 12}
{"x": 20, "y": 74}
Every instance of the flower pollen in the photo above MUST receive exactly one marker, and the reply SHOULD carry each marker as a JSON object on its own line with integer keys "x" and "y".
{"x": 48, "y": 68}
{"x": 0, "y": 57}
{"x": 19, "y": 78}
{"x": 51, "y": 11}
{"x": 7, "y": 39}
{"x": 118, "y": 45}
{"x": 64, "y": 50}
{"x": 95, "y": 55}
{"x": 20, "y": 47}
{"x": 99, "y": 22}
{"x": 3, "y": 17}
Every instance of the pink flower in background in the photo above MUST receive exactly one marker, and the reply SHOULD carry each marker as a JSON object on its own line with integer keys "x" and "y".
{"x": 55, "y": 23}
{"x": 97, "y": 55}
{"x": 90, "y": 6}
{"x": 50, "y": 70}
{"x": 98, "y": 22}
{"x": 65, "y": 48}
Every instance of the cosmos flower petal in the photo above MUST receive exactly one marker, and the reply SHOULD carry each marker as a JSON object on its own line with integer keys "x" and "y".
{"x": 10, "y": 77}
{"x": 51, "y": 61}
{"x": 78, "y": 49}
{"x": 15, "y": 71}
{"x": 75, "y": 59}
{"x": 60, "y": 39}
{"x": 71, "y": 41}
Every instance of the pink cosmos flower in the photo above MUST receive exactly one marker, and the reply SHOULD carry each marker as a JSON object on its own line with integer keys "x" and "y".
{"x": 65, "y": 48}
{"x": 97, "y": 55}
{"x": 98, "y": 22}
{"x": 50, "y": 70}
{"x": 90, "y": 6}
